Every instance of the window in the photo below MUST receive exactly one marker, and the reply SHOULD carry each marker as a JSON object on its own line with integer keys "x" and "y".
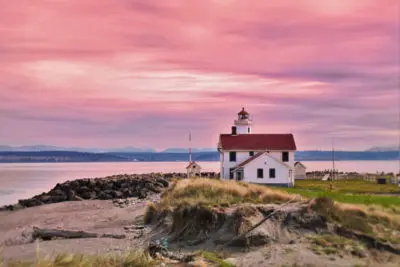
{"x": 234, "y": 130}
{"x": 232, "y": 156}
{"x": 260, "y": 173}
{"x": 271, "y": 173}
{"x": 285, "y": 156}
{"x": 251, "y": 153}
{"x": 248, "y": 130}
{"x": 231, "y": 173}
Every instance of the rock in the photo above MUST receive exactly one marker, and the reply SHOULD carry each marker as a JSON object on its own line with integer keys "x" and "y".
{"x": 142, "y": 193}
{"x": 118, "y": 194}
{"x": 91, "y": 183}
{"x": 162, "y": 181}
{"x": 57, "y": 192}
{"x": 88, "y": 195}
{"x": 82, "y": 190}
{"x": 231, "y": 261}
{"x": 59, "y": 198}
{"x": 103, "y": 195}
{"x": 45, "y": 198}
{"x": 153, "y": 188}
{"x": 29, "y": 202}
{"x": 118, "y": 186}
{"x": 109, "y": 185}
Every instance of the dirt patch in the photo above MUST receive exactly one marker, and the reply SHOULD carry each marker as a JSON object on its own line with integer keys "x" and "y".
{"x": 229, "y": 226}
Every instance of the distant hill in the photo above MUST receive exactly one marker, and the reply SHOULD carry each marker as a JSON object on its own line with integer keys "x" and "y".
{"x": 186, "y": 150}
{"x": 76, "y": 156}
{"x": 346, "y": 155}
{"x": 41, "y": 148}
{"x": 383, "y": 148}
{"x": 57, "y": 156}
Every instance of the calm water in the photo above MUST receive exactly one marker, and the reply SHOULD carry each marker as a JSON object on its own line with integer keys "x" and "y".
{"x": 24, "y": 180}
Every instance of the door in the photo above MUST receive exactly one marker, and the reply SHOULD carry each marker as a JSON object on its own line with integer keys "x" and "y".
{"x": 234, "y": 130}
{"x": 240, "y": 175}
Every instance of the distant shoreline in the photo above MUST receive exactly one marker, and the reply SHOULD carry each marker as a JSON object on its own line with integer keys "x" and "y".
{"x": 165, "y": 161}
{"x": 74, "y": 156}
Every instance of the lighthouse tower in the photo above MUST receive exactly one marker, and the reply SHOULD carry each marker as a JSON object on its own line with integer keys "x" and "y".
{"x": 242, "y": 125}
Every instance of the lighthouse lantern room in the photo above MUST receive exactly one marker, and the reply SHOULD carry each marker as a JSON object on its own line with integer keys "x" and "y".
{"x": 242, "y": 125}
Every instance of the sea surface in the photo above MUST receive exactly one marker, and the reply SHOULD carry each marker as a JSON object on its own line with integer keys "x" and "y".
{"x": 24, "y": 180}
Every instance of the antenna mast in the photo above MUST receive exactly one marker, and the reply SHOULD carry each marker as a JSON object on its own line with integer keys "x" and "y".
{"x": 333, "y": 158}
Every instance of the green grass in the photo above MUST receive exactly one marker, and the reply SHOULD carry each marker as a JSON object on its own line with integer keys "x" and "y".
{"x": 348, "y": 191}
{"x": 132, "y": 259}
{"x": 347, "y": 186}
{"x": 215, "y": 259}
{"x": 366, "y": 199}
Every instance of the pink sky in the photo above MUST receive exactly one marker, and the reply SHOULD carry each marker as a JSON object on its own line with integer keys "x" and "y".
{"x": 106, "y": 73}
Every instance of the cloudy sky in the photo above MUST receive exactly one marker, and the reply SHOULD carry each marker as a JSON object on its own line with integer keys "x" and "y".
{"x": 106, "y": 73}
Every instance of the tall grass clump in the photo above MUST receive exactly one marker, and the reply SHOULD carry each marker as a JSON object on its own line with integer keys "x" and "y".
{"x": 131, "y": 259}
{"x": 217, "y": 193}
{"x": 355, "y": 217}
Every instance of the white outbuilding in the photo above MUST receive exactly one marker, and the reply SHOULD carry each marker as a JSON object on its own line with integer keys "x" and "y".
{"x": 193, "y": 170}
{"x": 299, "y": 171}
{"x": 256, "y": 158}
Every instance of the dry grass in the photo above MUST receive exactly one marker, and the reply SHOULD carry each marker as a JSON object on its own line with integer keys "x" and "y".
{"x": 329, "y": 244}
{"x": 360, "y": 218}
{"x": 217, "y": 193}
{"x": 132, "y": 259}
{"x": 199, "y": 196}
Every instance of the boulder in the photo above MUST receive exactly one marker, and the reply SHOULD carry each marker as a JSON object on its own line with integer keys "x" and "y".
{"x": 118, "y": 194}
{"x": 105, "y": 195}
{"x": 56, "y": 192}
{"x": 83, "y": 189}
{"x": 45, "y": 198}
{"x": 162, "y": 181}
{"x": 88, "y": 195}
{"x": 30, "y": 202}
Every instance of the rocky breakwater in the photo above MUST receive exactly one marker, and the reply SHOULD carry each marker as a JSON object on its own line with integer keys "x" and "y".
{"x": 112, "y": 187}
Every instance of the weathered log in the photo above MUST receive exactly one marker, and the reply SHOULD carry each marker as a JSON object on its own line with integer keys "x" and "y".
{"x": 49, "y": 234}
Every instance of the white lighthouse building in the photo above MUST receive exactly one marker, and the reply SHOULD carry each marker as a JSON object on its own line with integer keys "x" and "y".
{"x": 256, "y": 158}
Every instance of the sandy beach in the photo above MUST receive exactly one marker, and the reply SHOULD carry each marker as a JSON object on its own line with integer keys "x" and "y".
{"x": 95, "y": 216}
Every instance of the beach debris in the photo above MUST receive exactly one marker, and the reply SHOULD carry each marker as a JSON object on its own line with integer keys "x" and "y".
{"x": 49, "y": 234}
{"x": 157, "y": 250}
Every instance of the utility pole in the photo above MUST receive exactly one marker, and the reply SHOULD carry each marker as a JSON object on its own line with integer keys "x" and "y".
{"x": 190, "y": 147}
{"x": 398, "y": 140}
{"x": 333, "y": 158}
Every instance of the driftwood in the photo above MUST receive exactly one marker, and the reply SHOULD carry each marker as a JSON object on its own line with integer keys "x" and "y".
{"x": 49, "y": 234}
{"x": 155, "y": 249}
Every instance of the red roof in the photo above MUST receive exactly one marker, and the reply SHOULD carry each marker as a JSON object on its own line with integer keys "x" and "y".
{"x": 254, "y": 142}
{"x": 243, "y": 112}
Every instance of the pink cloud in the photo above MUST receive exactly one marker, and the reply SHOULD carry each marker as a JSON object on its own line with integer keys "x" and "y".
{"x": 144, "y": 72}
